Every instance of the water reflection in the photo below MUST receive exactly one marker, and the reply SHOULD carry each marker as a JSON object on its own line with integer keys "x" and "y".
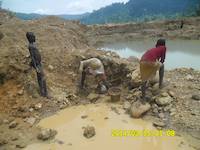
{"x": 180, "y": 53}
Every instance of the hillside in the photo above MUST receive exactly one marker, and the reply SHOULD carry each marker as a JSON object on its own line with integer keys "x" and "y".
{"x": 169, "y": 29}
{"x": 32, "y": 16}
{"x": 142, "y": 10}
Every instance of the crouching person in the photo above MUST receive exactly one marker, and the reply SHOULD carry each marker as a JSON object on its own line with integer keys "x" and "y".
{"x": 93, "y": 66}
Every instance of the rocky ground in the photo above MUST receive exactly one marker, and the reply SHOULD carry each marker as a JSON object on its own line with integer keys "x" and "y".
{"x": 62, "y": 45}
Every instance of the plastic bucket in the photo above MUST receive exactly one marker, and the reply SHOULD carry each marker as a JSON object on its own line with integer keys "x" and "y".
{"x": 115, "y": 94}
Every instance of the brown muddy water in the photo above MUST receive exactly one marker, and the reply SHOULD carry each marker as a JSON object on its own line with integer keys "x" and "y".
{"x": 69, "y": 125}
{"x": 180, "y": 53}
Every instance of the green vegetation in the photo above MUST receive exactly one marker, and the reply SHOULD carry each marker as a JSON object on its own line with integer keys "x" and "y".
{"x": 134, "y": 10}
{"x": 144, "y": 10}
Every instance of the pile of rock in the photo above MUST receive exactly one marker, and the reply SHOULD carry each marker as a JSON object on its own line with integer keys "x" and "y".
{"x": 46, "y": 134}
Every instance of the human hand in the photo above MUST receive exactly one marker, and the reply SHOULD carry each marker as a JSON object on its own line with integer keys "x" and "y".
{"x": 38, "y": 70}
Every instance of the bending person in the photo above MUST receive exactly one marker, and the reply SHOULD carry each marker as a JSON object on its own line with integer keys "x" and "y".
{"x": 93, "y": 66}
{"x": 150, "y": 63}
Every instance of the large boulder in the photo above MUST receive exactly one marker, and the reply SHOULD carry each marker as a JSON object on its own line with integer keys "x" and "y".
{"x": 138, "y": 109}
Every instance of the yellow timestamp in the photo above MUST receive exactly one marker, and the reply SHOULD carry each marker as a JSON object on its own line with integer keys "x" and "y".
{"x": 138, "y": 133}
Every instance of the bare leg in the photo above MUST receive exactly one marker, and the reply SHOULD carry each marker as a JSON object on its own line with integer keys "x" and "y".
{"x": 40, "y": 83}
{"x": 143, "y": 88}
{"x": 82, "y": 79}
{"x": 161, "y": 75}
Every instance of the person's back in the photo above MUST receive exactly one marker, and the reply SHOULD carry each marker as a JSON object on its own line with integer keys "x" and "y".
{"x": 154, "y": 54}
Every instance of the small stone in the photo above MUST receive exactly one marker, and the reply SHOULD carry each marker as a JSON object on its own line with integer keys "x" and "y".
{"x": 193, "y": 113}
{"x": 172, "y": 110}
{"x": 13, "y": 124}
{"x": 71, "y": 96}
{"x": 89, "y": 131}
{"x": 30, "y": 120}
{"x": 196, "y": 97}
{"x": 31, "y": 109}
{"x": 5, "y": 121}
{"x": 126, "y": 105}
{"x": 189, "y": 77}
{"x": 21, "y": 145}
{"x": 69, "y": 144}
{"x": 159, "y": 124}
{"x": 84, "y": 116}
{"x": 3, "y": 142}
{"x": 22, "y": 109}
{"x": 159, "y": 128}
{"x": 172, "y": 94}
{"x": 129, "y": 97}
{"x": 160, "y": 109}
{"x": 154, "y": 106}
{"x": 50, "y": 67}
{"x": 165, "y": 94}
{"x": 161, "y": 115}
{"x": 115, "y": 110}
{"x": 106, "y": 118}
{"x": 93, "y": 97}
{"x": 172, "y": 114}
{"x": 46, "y": 134}
{"x": 63, "y": 106}
{"x": 165, "y": 109}
{"x": 21, "y": 92}
{"x": 38, "y": 106}
{"x": 14, "y": 138}
{"x": 155, "y": 110}
{"x": 60, "y": 142}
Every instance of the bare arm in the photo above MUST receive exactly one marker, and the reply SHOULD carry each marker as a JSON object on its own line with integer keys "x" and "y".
{"x": 163, "y": 56}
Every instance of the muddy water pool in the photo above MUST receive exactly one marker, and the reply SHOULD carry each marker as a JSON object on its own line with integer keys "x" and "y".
{"x": 107, "y": 123}
{"x": 180, "y": 53}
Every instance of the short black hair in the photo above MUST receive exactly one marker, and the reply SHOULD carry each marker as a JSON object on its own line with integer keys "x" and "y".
{"x": 160, "y": 42}
{"x": 30, "y": 36}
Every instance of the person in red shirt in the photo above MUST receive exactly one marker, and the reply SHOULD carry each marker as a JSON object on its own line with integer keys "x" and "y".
{"x": 152, "y": 61}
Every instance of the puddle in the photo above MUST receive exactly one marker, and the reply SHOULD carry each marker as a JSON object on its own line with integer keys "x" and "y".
{"x": 69, "y": 125}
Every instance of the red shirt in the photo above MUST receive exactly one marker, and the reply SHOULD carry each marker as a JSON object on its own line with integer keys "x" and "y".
{"x": 157, "y": 53}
